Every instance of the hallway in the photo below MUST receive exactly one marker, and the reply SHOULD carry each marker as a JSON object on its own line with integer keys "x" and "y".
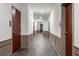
{"x": 39, "y": 46}
{"x": 19, "y": 32}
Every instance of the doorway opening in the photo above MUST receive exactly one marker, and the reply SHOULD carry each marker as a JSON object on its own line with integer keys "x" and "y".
{"x": 41, "y": 27}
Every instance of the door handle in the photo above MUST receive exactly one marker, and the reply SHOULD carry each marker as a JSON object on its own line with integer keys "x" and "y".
{"x": 66, "y": 33}
{"x": 14, "y": 32}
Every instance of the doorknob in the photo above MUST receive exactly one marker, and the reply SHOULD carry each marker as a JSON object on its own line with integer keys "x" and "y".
{"x": 14, "y": 32}
{"x": 66, "y": 32}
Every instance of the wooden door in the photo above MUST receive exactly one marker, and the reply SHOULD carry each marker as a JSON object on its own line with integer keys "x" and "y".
{"x": 16, "y": 15}
{"x": 69, "y": 29}
{"x": 41, "y": 27}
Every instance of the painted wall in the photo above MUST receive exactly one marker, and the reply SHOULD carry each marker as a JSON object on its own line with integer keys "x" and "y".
{"x": 30, "y": 21}
{"x": 55, "y": 20}
{"x": 38, "y": 25}
{"x": 45, "y": 25}
{"x": 5, "y": 16}
{"x": 76, "y": 23}
{"x": 35, "y": 25}
{"x": 24, "y": 19}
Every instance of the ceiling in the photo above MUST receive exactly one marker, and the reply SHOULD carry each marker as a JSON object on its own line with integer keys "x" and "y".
{"x": 40, "y": 16}
{"x": 41, "y": 10}
{"x": 38, "y": 7}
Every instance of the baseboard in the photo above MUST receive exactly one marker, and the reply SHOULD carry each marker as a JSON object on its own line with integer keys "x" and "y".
{"x": 9, "y": 54}
{"x": 25, "y": 39}
{"x": 57, "y": 50}
{"x": 54, "y": 37}
{"x": 5, "y": 47}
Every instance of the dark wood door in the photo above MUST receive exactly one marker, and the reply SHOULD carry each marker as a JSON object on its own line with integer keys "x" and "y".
{"x": 69, "y": 29}
{"x": 41, "y": 27}
{"x": 16, "y": 15}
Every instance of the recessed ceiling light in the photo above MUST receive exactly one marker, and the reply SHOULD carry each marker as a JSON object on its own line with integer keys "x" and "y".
{"x": 40, "y": 17}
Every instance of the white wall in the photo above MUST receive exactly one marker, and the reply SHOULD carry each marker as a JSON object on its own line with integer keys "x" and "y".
{"x": 38, "y": 26}
{"x": 45, "y": 25}
{"x": 35, "y": 25}
{"x": 5, "y": 16}
{"x": 30, "y": 21}
{"x": 55, "y": 19}
{"x": 24, "y": 19}
{"x": 76, "y": 24}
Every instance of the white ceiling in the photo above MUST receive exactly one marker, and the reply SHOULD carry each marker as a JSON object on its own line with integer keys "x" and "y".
{"x": 41, "y": 16}
{"x": 41, "y": 9}
{"x": 38, "y": 7}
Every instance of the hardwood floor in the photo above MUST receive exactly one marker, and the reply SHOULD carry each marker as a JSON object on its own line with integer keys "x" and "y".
{"x": 38, "y": 46}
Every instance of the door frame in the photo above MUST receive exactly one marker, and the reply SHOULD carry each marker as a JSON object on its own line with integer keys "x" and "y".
{"x": 12, "y": 27}
{"x": 33, "y": 27}
{"x": 65, "y": 5}
{"x": 49, "y": 28}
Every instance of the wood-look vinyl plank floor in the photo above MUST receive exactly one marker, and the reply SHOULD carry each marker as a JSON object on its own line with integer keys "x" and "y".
{"x": 39, "y": 46}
